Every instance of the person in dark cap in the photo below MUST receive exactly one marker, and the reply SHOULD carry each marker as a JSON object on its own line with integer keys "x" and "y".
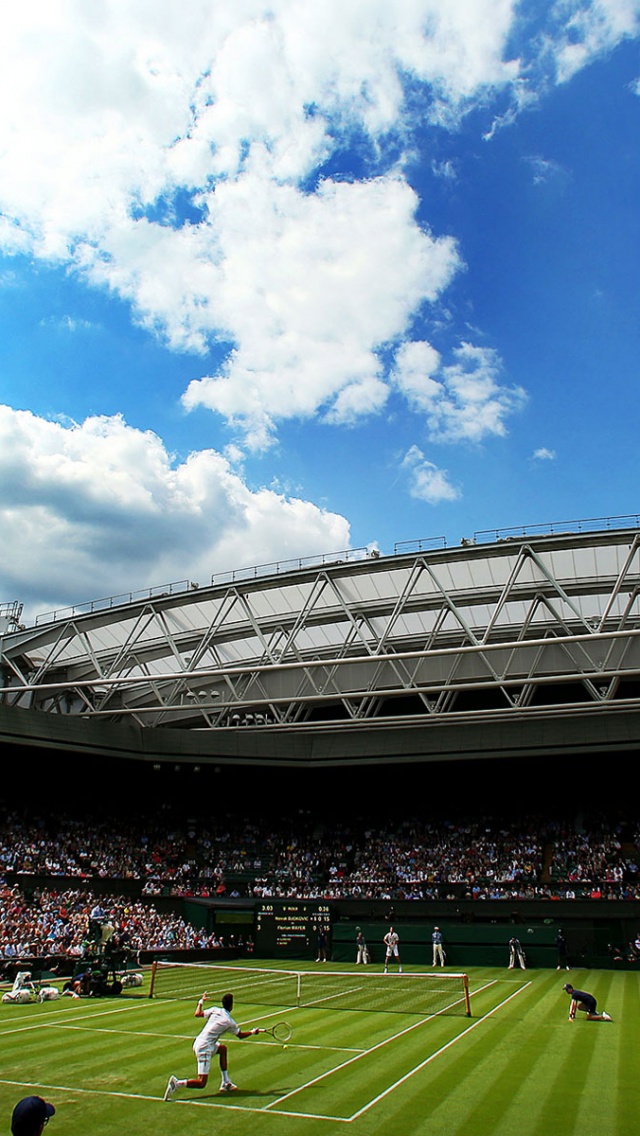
{"x": 581, "y": 1000}
{"x": 30, "y": 1116}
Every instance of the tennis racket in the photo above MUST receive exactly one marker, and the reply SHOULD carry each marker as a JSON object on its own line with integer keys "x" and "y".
{"x": 280, "y": 1032}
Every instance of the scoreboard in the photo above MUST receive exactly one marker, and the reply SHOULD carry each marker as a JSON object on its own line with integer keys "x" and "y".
{"x": 291, "y": 928}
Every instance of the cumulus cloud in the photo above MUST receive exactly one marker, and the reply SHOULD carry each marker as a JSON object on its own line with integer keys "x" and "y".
{"x": 544, "y": 454}
{"x": 191, "y": 159}
{"x": 426, "y": 481}
{"x": 314, "y": 285}
{"x": 462, "y": 401}
{"x": 167, "y": 155}
{"x": 173, "y": 156}
{"x": 98, "y": 507}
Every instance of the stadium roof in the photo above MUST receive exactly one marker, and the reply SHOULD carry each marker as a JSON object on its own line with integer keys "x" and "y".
{"x": 523, "y": 645}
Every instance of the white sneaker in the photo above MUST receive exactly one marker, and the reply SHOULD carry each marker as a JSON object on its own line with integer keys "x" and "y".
{"x": 606, "y": 1016}
{"x": 171, "y": 1088}
{"x": 228, "y": 1087}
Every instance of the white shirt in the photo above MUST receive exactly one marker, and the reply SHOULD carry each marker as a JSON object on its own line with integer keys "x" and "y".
{"x": 218, "y": 1021}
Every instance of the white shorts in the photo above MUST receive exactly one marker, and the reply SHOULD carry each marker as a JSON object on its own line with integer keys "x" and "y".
{"x": 204, "y": 1055}
{"x": 393, "y": 951}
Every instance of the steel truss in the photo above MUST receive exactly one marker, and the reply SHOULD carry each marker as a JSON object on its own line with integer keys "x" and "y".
{"x": 516, "y": 629}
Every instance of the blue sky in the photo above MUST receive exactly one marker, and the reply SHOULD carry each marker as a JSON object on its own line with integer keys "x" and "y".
{"x": 285, "y": 278}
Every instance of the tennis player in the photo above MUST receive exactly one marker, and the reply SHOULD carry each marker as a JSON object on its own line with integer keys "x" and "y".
{"x": 218, "y": 1021}
{"x": 580, "y": 1000}
{"x": 392, "y": 943}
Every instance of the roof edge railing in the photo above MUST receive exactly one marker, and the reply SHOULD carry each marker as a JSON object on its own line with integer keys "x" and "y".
{"x": 296, "y": 564}
{"x": 349, "y": 555}
{"x": 113, "y": 601}
{"x": 238, "y": 575}
{"x": 558, "y": 528}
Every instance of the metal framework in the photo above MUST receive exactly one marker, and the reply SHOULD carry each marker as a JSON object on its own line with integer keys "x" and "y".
{"x": 346, "y": 659}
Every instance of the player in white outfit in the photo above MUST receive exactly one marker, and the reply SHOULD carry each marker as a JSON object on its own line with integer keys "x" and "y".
{"x": 391, "y": 942}
{"x": 218, "y": 1021}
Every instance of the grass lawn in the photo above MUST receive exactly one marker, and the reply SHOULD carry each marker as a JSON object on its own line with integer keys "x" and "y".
{"x": 517, "y": 1066}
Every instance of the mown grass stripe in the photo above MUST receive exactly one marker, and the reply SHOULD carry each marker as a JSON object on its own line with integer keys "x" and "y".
{"x": 625, "y": 1011}
{"x": 519, "y": 1072}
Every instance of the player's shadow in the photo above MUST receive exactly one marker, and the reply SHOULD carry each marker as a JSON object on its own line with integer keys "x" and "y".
{"x": 246, "y": 1094}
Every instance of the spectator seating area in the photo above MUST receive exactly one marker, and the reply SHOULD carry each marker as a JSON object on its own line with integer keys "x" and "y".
{"x": 307, "y": 856}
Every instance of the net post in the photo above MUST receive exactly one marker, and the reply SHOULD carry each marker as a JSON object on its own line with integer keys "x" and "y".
{"x": 152, "y": 981}
{"x": 467, "y": 1000}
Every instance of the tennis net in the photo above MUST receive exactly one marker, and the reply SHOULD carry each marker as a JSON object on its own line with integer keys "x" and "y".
{"x": 414, "y": 993}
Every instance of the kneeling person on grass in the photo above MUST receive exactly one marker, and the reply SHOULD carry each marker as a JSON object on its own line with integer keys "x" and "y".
{"x": 218, "y": 1022}
{"x": 580, "y": 1000}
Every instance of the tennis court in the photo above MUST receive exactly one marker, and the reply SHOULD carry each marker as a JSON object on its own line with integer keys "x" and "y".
{"x": 516, "y": 1064}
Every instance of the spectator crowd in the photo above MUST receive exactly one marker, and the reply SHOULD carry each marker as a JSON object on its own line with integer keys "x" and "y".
{"x": 57, "y": 922}
{"x": 304, "y": 857}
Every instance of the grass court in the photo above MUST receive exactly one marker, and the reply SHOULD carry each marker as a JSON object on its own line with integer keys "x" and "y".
{"x": 516, "y": 1067}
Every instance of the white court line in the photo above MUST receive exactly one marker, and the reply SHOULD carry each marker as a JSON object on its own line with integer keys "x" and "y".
{"x": 217, "y": 1104}
{"x": 38, "y": 1022}
{"x": 332, "y": 997}
{"x": 76, "y": 1011}
{"x": 364, "y": 1053}
{"x": 189, "y": 1037}
{"x": 71, "y": 1024}
{"x": 381, "y": 1045}
{"x": 272, "y": 1109}
{"x": 80, "y": 1092}
{"x": 122, "y": 1032}
{"x": 437, "y": 1053}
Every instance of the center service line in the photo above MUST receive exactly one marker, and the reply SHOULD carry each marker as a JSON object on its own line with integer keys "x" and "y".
{"x": 364, "y": 1053}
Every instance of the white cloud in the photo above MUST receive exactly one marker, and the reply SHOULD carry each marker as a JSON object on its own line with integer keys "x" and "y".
{"x": 543, "y": 454}
{"x": 108, "y": 106}
{"x": 99, "y": 508}
{"x": 173, "y": 154}
{"x": 426, "y": 481}
{"x": 445, "y": 170}
{"x": 68, "y": 324}
{"x": 461, "y": 402}
{"x": 586, "y": 30}
{"x": 545, "y": 170}
{"x": 313, "y": 285}
{"x": 570, "y": 35}
{"x": 110, "y": 111}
